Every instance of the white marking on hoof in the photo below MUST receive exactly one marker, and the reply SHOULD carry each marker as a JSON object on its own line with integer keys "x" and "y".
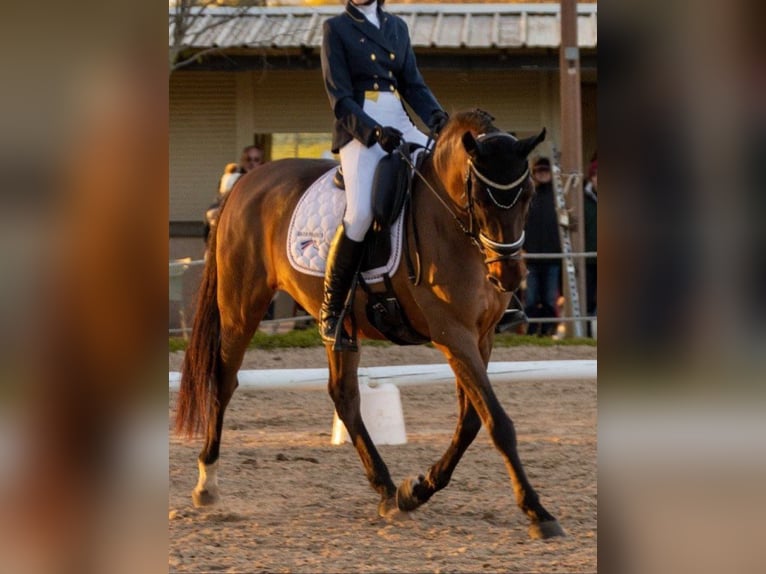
{"x": 206, "y": 492}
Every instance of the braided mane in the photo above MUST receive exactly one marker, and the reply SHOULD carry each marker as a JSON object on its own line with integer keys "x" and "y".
{"x": 449, "y": 151}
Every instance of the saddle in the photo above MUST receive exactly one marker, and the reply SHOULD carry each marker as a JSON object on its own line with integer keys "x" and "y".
{"x": 391, "y": 189}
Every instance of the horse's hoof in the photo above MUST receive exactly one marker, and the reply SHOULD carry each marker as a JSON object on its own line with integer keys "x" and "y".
{"x": 387, "y": 507}
{"x": 204, "y": 497}
{"x": 388, "y": 510}
{"x": 547, "y": 529}
{"x": 406, "y": 498}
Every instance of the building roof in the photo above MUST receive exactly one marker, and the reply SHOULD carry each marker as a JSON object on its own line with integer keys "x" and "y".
{"x": 441, "y": 26}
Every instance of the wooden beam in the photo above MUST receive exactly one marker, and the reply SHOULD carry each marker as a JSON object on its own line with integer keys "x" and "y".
{"x": 571, "y": 136}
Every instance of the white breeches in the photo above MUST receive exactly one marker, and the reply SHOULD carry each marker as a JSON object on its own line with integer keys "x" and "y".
{"x": 359, "y": 162}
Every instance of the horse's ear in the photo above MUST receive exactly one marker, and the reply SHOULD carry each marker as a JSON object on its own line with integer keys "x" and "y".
{"x": 526, "y": 145}
{"x": 470, "y": 144}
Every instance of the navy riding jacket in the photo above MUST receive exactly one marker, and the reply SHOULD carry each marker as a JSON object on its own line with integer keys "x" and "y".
{"x": 357, "y": 57}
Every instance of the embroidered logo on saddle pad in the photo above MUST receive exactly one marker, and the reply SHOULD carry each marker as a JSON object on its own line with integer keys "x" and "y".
{"x": 312, "y": 227}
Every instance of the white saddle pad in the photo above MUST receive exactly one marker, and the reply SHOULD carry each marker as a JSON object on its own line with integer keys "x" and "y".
{"x": 313, "y": 224}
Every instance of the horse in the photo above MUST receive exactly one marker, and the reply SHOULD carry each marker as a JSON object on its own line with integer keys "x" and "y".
{"x": 468, "y": 205}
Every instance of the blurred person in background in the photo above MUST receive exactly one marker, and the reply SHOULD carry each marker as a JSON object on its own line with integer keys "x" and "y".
{"x": 542, "y": 236}
{"x": 231, "y": 174}
{"x": 252, "y": 156}
{"x": 590, "y": 205}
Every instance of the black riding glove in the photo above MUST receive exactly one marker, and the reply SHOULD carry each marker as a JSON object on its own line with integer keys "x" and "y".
{"x": 438, "y": 120}
{"x": 389, "y": 138}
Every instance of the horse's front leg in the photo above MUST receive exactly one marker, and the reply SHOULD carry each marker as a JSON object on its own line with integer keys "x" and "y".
{"x": 416, "y": 491}
{"x": 470, "y": 369}
{"x": 472, "y": 373}
{"x": 343, "y": 387}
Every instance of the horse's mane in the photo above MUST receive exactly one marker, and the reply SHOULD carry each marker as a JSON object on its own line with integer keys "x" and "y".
{"x": 449, "y": 146}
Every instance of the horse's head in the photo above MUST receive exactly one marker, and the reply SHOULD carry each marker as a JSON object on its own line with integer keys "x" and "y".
{"x": 486, "y": 172}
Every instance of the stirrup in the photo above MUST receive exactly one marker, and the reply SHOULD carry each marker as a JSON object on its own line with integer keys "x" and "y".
{"x": 513, "y": 318}
{"x": 339, "y": 340}
{"x": 343, "y": 343}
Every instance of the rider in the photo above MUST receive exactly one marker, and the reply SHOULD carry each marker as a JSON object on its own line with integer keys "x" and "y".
{"x": 369, "y": 69}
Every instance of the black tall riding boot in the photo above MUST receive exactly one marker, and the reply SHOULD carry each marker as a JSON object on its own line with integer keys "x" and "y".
{"x": 342, "y": 264}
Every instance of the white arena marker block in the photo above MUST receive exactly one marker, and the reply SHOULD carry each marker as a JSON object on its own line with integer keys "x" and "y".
{"x": 381, "y": 407}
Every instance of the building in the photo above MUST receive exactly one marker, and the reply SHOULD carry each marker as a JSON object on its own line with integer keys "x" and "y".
{"x": 253, "y": 75}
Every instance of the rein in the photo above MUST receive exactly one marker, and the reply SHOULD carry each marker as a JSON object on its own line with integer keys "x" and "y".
{"x": 454, "y": 215}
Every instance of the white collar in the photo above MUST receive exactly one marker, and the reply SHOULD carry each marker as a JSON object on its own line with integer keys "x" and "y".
{"x": 370, "y": 11}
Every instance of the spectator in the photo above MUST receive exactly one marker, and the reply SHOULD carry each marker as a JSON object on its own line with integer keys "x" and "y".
{"x": 230, "y": 175}
{"x": 252, "y": 156}
{"x": 590, "y": 203}
{"x": 542, "y": 236}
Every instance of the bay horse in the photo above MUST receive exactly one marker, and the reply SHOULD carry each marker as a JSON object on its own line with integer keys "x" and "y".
{"x": 469, "y": 204}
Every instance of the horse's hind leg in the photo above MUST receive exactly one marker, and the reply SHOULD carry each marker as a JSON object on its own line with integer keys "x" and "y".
{"x": 235, "y": 337}
{"x": 343, "y": 387}
{"x": 416, "y": 491}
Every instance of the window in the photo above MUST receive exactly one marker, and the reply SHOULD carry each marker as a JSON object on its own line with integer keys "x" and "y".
{"x": 307, "y": 145}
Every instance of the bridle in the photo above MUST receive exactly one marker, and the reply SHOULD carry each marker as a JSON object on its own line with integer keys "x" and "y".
{"x": 492, "y": 250}
{"x": 502, "y": 250}
{"x": 497, "y": 251}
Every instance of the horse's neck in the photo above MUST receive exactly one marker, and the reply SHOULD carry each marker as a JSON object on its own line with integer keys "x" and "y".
{"x": 450, "y": 186}
{"x": 446, "y": 255}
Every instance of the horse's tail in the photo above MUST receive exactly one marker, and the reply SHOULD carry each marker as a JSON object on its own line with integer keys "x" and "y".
{"x": 197, "y": 401}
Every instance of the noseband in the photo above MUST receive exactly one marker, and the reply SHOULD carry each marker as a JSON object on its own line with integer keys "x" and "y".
{"x": 483, "y": 243}
{"x": 503, "y": 250}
